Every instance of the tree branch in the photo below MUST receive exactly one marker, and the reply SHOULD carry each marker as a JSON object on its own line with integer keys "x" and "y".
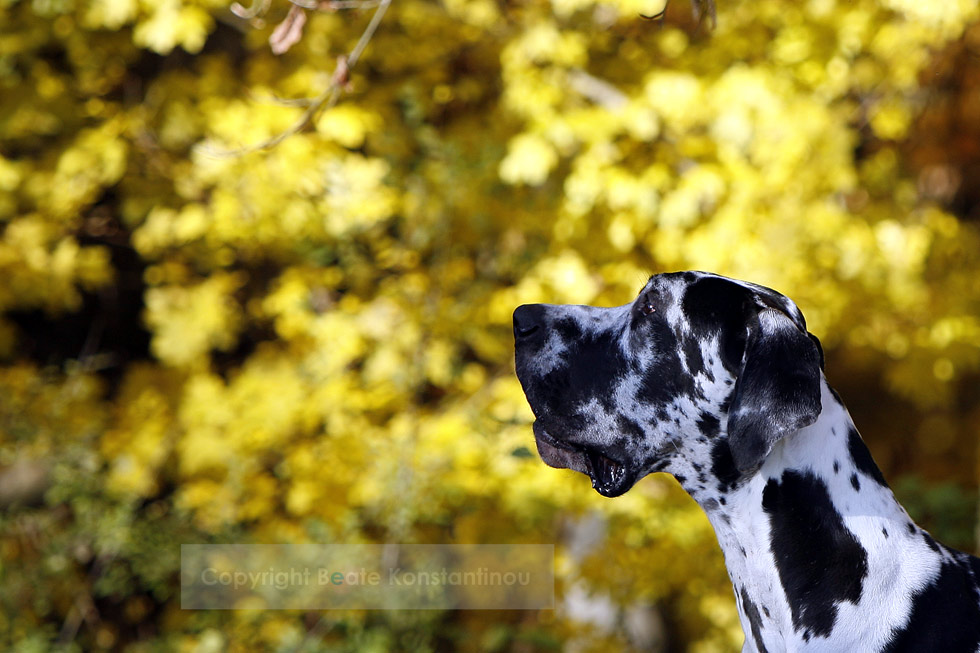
{"x": 329, "y": 97}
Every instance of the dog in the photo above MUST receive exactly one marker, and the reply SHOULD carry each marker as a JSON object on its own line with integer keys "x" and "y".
{"x": 718, "y": 382}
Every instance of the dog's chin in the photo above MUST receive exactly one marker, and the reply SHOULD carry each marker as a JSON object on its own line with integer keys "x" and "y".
{"x": 610, "y": 477}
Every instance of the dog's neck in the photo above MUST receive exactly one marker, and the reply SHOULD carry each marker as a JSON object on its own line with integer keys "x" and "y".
{"x": 815, "y": 528}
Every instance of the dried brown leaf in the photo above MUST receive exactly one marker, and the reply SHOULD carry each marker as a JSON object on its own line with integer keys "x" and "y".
{"x": 289, "y": 31}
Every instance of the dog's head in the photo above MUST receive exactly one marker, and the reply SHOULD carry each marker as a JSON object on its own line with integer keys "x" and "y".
{"x": 698, "y": 368}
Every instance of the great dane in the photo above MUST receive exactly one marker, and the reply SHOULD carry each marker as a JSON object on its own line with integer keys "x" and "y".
{"x": 718, "y": 382}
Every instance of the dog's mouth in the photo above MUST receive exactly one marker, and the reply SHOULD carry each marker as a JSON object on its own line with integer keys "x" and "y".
{"x": 610, "y": 477}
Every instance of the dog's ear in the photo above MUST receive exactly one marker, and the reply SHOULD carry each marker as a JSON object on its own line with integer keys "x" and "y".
{"x": 778, "y": 389}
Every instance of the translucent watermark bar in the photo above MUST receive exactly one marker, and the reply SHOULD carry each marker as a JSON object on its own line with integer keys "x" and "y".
{"x": 367, "y": 576}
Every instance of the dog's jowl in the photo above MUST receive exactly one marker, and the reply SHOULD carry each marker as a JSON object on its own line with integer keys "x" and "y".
{"x": 718, "y": 382}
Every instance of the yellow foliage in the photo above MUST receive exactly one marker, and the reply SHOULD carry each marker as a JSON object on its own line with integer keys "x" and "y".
{"x": 189, "y": 321}
{"x": 529, "y": 160}
{"x": 171, "y": 24}
{"x": 44, "y": 268}
{"x": 347, "y": 125}
{"x": 313, "y": 341}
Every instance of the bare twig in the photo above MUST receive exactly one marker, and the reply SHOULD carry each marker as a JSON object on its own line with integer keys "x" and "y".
{"x": 257, "y": 8}
{"x": 332, "y": 5}
{"x": 329, "y": 97}
{"x": 355, "y": 54}
{"x": 335, "y": 5}
{"x": 282, "y": 101}
{"x": 660, "y": 14}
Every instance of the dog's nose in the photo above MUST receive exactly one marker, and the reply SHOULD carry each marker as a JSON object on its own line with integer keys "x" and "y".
{"x": 528, "y": 319}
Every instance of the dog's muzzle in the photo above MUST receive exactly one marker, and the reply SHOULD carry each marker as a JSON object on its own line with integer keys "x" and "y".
{"x": 610, "y": 476}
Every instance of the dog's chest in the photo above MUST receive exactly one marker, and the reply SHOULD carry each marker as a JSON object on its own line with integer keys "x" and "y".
{"x": 812, "y": 559}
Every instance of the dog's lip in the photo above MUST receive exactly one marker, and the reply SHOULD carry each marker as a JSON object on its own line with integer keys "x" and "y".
{"x": 610, "y": 477}
{"x": 543, "y": 436}
{"x": 558, "y": 454}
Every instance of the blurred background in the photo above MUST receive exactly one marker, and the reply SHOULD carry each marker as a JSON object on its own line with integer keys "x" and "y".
{"x": 206, "y": 340}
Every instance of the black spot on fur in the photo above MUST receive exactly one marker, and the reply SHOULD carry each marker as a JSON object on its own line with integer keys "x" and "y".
{"x": 630, "y": 427}
{"x": 568, "y": 329}
{"x": 836, "y": 466}
{"x": 714, "y": 305}
{"x": 594, "y": 364}
{"x": 708, "y": 424}
{"x": 931, "y": 542}
{"x": 723, "y": 466}
{"x": 944, "y": 617}
{"x": 693, "y": 357}
{"x": 666, "y": 380}
{"x": 862, "y": 457}
{"x": 884, "y": 531}
{"x": 911, "y": 528}
{"x": 855, "y": 483}
{"x": 820, "y": 562}
{"x": 726, "y": 403}
{"x": 755, "y": 621}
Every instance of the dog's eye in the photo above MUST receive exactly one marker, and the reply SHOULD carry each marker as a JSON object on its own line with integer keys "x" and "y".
{"x": 645, "y": 306}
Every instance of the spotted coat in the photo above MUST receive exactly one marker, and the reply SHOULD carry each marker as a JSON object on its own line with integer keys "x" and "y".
{"x": 718, "y": 382}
